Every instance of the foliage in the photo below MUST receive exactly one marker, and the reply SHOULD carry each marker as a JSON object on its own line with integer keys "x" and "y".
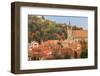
{"x": 84, "y": 54}
{"x": 44, "y": 29}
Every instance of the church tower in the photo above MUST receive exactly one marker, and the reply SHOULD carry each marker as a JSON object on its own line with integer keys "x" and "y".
{"x": 69, "y": 32}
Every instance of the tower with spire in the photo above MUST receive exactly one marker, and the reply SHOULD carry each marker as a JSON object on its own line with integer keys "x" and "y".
{"x": 69, "y": 31}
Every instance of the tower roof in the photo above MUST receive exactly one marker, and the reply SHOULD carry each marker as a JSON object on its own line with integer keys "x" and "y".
{"x": 69, "y": 23}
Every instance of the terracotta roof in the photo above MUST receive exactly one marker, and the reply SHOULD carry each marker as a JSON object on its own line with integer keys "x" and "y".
{"x": 52, "y": 41}
{"x": 80, "y": 33}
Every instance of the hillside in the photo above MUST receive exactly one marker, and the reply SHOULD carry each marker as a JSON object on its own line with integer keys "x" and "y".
{"x": 40, "y": 28}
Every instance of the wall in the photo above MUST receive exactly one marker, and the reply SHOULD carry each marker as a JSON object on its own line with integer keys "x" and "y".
{"x": 5, "y": 33}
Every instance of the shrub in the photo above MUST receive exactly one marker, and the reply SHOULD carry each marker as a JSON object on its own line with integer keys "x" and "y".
{"x": 84, "y": 54}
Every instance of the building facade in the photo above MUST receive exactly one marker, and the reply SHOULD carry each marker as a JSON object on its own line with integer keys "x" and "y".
{"x": 76, "y": 34}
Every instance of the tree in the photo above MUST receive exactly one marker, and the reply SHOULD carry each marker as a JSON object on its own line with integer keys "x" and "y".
{"x": 43, "y": 17}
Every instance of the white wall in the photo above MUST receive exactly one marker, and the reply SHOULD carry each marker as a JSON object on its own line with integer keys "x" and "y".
{"x": 5, "y": 33}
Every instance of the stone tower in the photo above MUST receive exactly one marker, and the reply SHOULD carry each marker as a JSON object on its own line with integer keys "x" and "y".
{"x": 69, "y": 32}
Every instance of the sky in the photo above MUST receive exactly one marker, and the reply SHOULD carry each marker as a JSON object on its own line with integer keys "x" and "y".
{"x": 74, "y": 20}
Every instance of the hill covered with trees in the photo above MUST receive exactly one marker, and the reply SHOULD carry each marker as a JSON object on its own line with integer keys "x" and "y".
{"x": 40, "y": 28}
